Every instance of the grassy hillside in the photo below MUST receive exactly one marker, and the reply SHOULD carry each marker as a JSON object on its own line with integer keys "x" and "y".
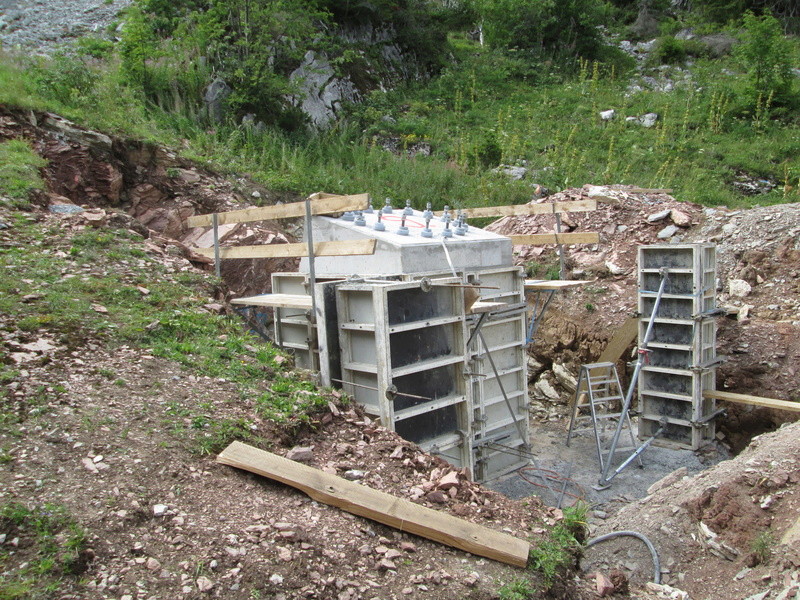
{"x": 487, "y": 106}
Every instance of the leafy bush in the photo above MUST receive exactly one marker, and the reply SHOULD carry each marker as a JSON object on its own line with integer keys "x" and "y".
{"x": 767, "y": 56}
{"x": 65, "y": 78}
{"x": 564, "y": 29}
{"x": 669, "y": 51}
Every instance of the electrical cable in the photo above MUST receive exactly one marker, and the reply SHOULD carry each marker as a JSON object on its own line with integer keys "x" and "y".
{"x": 638, "y": 536}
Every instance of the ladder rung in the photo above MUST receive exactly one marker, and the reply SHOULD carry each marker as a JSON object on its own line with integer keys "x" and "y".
{"x": 595, "y": 381}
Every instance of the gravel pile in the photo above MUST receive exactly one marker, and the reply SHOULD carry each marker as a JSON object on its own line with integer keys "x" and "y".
{"x": 49, "y": 24}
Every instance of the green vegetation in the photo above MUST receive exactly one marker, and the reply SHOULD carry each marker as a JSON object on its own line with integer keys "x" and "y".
{"x": 54, "y": 543}
{"x": 19, "y": 173}
{"x": 762, "y": 547}
{"x": 102, "y": 301}
{"x": 519, "y": 589}
{"x": 562, "y": 546}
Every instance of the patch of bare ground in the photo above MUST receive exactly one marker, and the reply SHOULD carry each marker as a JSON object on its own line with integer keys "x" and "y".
{"x": 731, "y": 531}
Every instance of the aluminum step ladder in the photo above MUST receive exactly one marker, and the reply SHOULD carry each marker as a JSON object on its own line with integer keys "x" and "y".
{"x": 597, "y": 393}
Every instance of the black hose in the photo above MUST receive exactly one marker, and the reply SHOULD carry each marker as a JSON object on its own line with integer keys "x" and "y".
{"x": 639, "y": 536}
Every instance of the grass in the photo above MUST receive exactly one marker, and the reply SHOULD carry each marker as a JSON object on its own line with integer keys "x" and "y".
{"x": 19, "y": 173}
{"x": 53, "y": 544}
{"x": 485, "y": 108}
{"x": 56, "y": 284}
{"x": 558, "y": 551}
{"x": 762, "y": 547}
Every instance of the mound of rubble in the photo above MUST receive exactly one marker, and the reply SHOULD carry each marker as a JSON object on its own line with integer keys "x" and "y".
{"x": 758, "y": 284}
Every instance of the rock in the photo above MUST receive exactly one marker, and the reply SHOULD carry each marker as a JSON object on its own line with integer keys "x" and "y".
{"x": 565, "y": 378}
{"x": 386, "y": 565}
{"x": 153, "y": 564}
{"x": 603, "y": 585}
{"x": 659, "y": 216}
{"x": 89, "y": 465}
{"x": 276, "y": 579}
{"x": 159, "y": 510}
{"x": 512, "y": 172}
{"x": 353, "y": 475}
{"x": 608, "y": 115}
{"x": 300, "y": 454}
{"x": 545, "y": 389}
{"x": 646, "y": 23}
{"x": 216, "y": 94}
{"x": 472, "y": 579}
{"x": 681, "y": 219}
{"x": 648, "y": 120}
{"x": 321, "y": 92}
{"x": 391, "y": 554}
{"x": 614, "y": 268}
{"x": 408, "y": 547}
{"x": 739, "y": 288}
{"x": 437, "y": 497}
{"x": 667, "y": 232}
{"x": 448, "y": 481}
{"x": 718, "y": 44}
{"x": 204, "y": 584}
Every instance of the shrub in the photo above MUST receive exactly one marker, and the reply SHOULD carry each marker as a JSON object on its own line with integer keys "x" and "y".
{"x": 767, "y": 56}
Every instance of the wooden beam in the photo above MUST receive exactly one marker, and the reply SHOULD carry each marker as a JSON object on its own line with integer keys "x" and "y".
{"x": 276, "y": 301}
{"x": 321, "y": 204}
{"x": 620, "y": 340}
{"x": 753, "y": 400}
{"x": 521, "y": 210}
{"x": 553, "y": 284}
{"x": 540, "y": 239}
{"x": 379, "y": 506}
{"x": 346, "y": 248}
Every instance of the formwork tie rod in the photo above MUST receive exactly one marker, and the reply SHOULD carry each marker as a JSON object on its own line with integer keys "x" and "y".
{"x": 390, "y": 392}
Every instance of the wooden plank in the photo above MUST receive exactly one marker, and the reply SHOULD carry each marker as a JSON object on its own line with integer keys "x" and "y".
{"x": 321, "y": 204}
{"x": 276, "y": 301}
{"x": 753, "y": 400}
{"x": 345, "y": 248}
{"x": 553, "y": 284}
{"x": 379, "y": 506}
{"x": 620, "y": 340}
{"x": 485, "y": 307}
{"x": 521, "y": 210}
{"x": 539, "y": 239}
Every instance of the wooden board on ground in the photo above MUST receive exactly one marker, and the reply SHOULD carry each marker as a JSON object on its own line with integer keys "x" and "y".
{"x": 379, "y": 506}
{"x": 346, "y": 248}
{"x": 620, "y": 340}
{"x": 276, "y": 301}
{"x": 552, "y": 284}
{"x": 321, "y": 204}
{"x": 753, "y": 400}
{"x": 521, "y": 210}
{"x": 539, "y": 239}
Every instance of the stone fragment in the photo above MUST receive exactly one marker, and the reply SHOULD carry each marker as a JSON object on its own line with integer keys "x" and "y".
{"x": 159, "y": 510}
{"x": 648, "y": 120}
{"x": 391, "y": 554}
{"x": 437, "y": 497}
{"x": 739, "y": 288}
{"x": 204, "y": 584}
{"x": 89, "y": 465}
{"x": 300, "y": 454}
{"x": 680, "y": 218}
{"x": 659, "y": 216}
{"x": 608, "y": 115}
{"x": 153, "y": 564}
{"x": 564, "y": 377}
{"x": 603, "y": 585}
{"x": 448, "y": 481}
{"x": 276, "y": 579}
{"x": 667, "y": 232}
{"x": 614, "y": 268}
{"x": 386, "y": 565}
{"x": 408, "y": 547}
{"x": 353, "y": 475}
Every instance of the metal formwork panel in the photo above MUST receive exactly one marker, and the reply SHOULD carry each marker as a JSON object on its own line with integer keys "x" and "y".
{"x": 402, "y": 350}
{"x": 682, "y": 356}
{"x": 500, "y": 400}
{"x": 293, "y": 329}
